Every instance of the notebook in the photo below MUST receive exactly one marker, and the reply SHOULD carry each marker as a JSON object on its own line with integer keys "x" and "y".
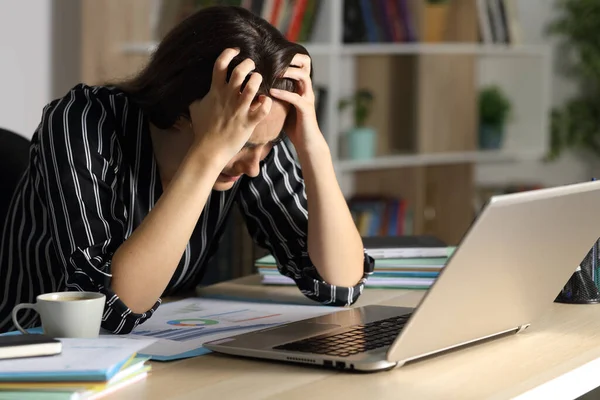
{"x": 380, "y": 247}
{"x": 133, "y": 371}
{"x": 84, "y": 360}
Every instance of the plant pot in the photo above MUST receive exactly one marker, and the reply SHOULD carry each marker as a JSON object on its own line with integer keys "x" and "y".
{"x": 491, "y": 136}
{"x": 435, "y": 17}
{"x": 361, "y": 143}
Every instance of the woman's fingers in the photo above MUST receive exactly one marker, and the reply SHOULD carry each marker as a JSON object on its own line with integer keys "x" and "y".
{"x": 251, "y": 89}
{"x": 260, "y": 109}
{"x": 299, "y": 70}
{"x": 240, "y": 73}
{"x": 219, "y": 77}
{"x": 302, "y": 79}
{"x": 302, "y": 61}
{"x": 285, "y": 95}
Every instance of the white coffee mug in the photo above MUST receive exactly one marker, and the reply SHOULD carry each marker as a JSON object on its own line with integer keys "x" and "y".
{"x": 67, "y": 314}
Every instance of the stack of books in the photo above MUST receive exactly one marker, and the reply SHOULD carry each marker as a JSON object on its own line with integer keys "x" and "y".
{"x": 84, "y": 369}
{"x": 406, "y": 263}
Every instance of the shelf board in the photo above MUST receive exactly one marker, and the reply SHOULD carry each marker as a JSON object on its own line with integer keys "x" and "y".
{"x": 318, "y": 49}
{"x": 145, "y": 48}
{"x": 138, "y": 47}
{"x": 444, "y": 48}
{"x": 416, "y": 160}
{"x": 321, "y": 49}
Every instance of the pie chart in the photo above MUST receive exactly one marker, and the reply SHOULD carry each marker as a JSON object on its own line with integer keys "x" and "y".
{"x": 192, "y": 322}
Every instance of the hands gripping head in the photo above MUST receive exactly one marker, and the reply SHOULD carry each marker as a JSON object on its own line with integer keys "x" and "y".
{"x": 236, "y": 77}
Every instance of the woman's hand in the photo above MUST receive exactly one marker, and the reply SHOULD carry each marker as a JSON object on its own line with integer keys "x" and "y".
{"x": 330, "y": 222}
{"x": 225, "y": 118}
{"x": 303, "y": 129}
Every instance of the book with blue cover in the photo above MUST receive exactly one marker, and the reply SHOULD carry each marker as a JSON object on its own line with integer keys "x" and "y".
{"x": 132, "y": 371}
{"x": 89, "y": 360}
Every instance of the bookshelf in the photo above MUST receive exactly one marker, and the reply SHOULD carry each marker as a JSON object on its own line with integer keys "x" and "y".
{"x": 414, "y": 160}
{"x": 321, "y": 49}
{"x": 450, "y": 48}
{"x": 430, "y": 159}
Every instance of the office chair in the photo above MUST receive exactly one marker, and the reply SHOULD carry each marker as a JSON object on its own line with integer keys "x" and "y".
{"x": 14, "y": 158}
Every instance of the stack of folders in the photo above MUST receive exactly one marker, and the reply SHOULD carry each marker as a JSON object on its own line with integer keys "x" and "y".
{"x": 396, "y": 266}
{"x": 83, "y": 369}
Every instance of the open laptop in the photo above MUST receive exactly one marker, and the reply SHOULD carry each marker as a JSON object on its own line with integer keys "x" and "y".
{"x": 508, "y": 269}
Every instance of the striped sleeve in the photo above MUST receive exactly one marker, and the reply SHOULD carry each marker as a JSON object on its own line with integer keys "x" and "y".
{"x": 78, "y": 147}
{"x": 274, "y": 205}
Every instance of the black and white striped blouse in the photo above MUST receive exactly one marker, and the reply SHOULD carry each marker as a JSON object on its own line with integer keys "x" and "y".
{"x": 91, "y": 180}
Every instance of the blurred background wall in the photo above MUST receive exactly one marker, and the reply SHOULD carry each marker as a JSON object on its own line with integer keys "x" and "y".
{"x": 40, "y": 47}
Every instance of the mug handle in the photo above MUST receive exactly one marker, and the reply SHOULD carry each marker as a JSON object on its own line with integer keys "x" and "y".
{"x": 15, "y": 310}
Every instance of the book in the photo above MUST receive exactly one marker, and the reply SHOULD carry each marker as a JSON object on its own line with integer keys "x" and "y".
{"x": 85, "y": 369}
{"x": 268, "y": 263}
{"x": 134, "y": 365}
{"x": 85, "y": 360}
{"x": 133, "y": 371}
{"x": 397, "y": 273}
{"x": 374, "y": 282}
{"x": 37, "y": 345}
{"x": 408, "y": 246}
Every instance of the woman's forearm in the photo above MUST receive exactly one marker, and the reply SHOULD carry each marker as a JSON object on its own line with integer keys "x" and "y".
{"x": 334, "y": 244}
{"x": 144, "y": 264}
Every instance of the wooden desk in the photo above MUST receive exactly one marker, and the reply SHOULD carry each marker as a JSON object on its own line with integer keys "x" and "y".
{"x": 558, "y": 357}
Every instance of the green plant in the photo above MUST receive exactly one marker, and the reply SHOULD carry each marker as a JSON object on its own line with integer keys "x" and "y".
{"x": 494, "y": 106}
{"x": 361, "y": 101}
{"x": 576, "y": 124}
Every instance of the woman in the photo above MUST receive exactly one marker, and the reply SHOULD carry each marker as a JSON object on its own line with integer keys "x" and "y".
{"x": 129, "y": 185}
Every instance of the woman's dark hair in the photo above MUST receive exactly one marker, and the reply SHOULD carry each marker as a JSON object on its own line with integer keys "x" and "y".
{"x": 180, "y": 70}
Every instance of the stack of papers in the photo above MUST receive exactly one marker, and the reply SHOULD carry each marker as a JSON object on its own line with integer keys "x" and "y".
{"x": 396, "y": 273}
{"x": 414, "y": 246}
{"x": 182, "y": 327}
{"x": 86, "y": 369}
{"x": 401, "y": 262}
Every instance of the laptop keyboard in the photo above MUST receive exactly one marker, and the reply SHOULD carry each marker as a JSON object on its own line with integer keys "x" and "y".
{"x": 358, "y": 339}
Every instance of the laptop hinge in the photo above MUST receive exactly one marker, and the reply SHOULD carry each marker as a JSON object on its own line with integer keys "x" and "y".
{"x": 471, "y": 342}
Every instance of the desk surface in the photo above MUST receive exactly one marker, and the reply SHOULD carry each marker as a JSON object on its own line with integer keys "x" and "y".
{"x": 557, "y": 357}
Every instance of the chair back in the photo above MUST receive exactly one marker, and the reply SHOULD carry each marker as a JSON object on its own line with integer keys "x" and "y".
{"x": 14, "y": 158}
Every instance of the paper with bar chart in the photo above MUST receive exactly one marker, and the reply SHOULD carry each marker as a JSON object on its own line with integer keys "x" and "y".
{"x": 182, "y": 327}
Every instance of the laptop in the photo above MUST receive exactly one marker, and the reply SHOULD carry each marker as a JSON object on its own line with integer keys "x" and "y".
{"x": 507, "y": 270}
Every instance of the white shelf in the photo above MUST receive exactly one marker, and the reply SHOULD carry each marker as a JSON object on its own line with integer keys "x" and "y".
{"x": 415, "y": 160}
{"x": 139, "y": 47}
{"x": 444, "y": 48}
{"x": 321, "y": 49}
{"x": 145, "y": 48}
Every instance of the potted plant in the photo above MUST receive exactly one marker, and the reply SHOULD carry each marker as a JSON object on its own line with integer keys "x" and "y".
{"x": 494, "y": 109}
{"x": 361, "y": 138}
{"x": 576, "y": 124}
